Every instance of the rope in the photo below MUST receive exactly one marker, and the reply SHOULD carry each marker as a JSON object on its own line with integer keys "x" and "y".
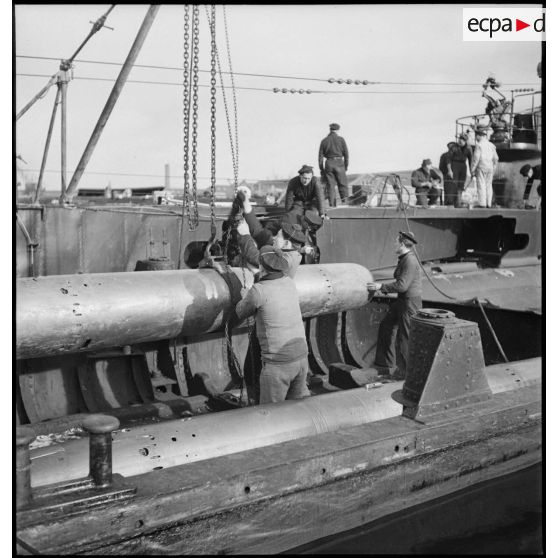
{"x": 475, "y": 299}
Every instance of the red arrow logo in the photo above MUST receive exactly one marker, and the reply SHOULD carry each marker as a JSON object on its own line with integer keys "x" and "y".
{"x": 519, "y": 25}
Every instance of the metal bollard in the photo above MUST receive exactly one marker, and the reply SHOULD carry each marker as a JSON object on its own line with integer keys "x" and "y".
{"x": 24, "y": 436}
{"x": 100, "y": 447}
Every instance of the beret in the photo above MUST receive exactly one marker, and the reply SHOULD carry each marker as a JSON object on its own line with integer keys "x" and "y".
{"x": 334, "y": 126}
{"x": 305, "y": 168}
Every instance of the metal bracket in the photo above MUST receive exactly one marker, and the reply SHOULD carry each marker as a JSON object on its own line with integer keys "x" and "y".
{"x": 209, "y": 260}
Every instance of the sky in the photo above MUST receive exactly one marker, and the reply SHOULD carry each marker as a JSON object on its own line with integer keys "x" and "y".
{"x": 387, "y": 126}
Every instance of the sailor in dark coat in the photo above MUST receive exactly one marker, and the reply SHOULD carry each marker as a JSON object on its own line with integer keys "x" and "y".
{"x": 461, "y": 160}
{"x": 391, "y": 358}
{"x": 333, "y": 149}
{"x": 305, "y": 192}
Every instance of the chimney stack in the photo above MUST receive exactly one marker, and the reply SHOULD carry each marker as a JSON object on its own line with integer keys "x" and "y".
{"x": 167, "y": 176}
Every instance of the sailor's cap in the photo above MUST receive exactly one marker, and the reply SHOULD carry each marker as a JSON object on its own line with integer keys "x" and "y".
{"x": 293, "y": 232}
{"x": 272, "y": 259}
{"x": 408, "y": 235}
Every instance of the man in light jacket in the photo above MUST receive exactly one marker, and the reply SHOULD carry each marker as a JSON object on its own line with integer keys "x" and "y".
{"x": 483, "y": 166}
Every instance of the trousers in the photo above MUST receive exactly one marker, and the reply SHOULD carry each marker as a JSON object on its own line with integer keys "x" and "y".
{"x": 392, "y": 349}
{"x": 334, "y": 170}
{"x": 427, "y": 195}
{"x": 284, "y": 381}
{"x": 459, "y": 171}
{"x": 484, "y": 186}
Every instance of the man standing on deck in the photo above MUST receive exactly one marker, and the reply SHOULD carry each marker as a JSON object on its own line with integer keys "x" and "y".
{"x": 391, "y": 358}
{"x": 279, "y": 328}
{"x": 305, "y": 192}
{"x": 445, "y": 168}
{"x": 483, "y": 166}
{"x": 461, "y": 159}
{"x": 333, "y": 149}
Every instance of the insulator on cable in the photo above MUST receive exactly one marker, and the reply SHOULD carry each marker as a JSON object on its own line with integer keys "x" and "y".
{"x": 276, "y": 90}
{"x": 284, "y": 90}
{"x": 301, "y": 90}
{"x": 364, "y": 82}
{"x": 349, "y": 81}
{"x": 293, "y": 90}
{"x": 331, "y": 80}
{"x": 340, "y": 81}
{"x": 309, "y": 91}
{"x": 357, "y": 81}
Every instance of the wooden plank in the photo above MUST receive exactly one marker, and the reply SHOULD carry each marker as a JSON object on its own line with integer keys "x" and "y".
{"x": 298, "y": 518}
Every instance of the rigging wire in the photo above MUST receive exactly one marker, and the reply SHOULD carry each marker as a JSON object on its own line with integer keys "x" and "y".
{"x": 270, "y": 90}
{"x": 275, "y": 76}
{"x": 109, "y": 173}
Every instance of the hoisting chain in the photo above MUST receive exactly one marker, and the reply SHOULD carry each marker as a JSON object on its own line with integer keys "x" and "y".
{"x": 187, "y": 97}
{"x": 233, "y": 143}
{"x": 195, "y": 78}
{"x": 213, "y": 120}
{"x": 235, "y": 157}
{"x": 228, "y": 270}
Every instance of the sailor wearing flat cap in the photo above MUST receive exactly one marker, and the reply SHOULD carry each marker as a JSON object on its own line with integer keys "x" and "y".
{"x": 304, "y": 192}
{"x": 392, "y": 357}
{"x": 334, "y": 151}
{"x": 279, "y": 328}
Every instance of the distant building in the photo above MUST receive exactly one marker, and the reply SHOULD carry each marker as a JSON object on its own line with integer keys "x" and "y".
{"x": 264, "y": 187}
{"x": 364, "y": 181}
{"x": 119, "y": 193}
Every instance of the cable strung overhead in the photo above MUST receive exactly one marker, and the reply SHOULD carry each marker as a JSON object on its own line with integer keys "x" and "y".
{"x": 275, "y": 76}
{"x": 277, "y": 89}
